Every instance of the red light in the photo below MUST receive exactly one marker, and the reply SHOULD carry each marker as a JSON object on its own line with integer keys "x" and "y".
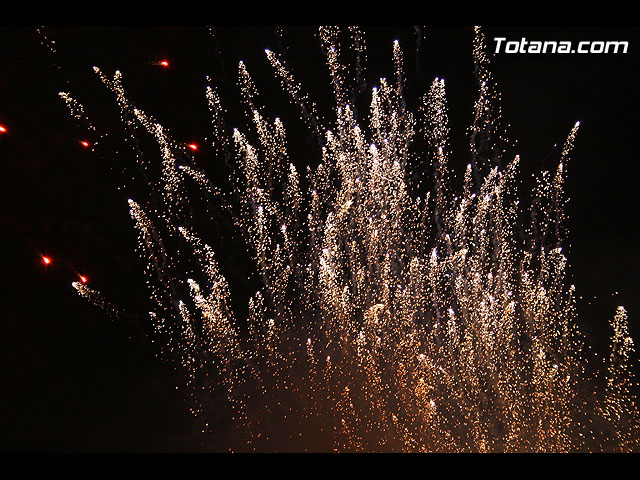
{"x": 164, "y": 63}
{"x": 3, "y": 129}
{"x": 85, "y": 144}
{"x": 46, "y": 260}
{"x": 83, "y": 279}
{"x": 193, "y": 146}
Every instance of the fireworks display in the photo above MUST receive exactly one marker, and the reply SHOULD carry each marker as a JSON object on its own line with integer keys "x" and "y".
{"x": 393, "y": 307}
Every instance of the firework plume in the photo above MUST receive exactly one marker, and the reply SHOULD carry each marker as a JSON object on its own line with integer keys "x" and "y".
{"x": 395, "y": 310}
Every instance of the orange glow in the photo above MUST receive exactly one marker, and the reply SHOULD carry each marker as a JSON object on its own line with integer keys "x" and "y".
{"x": 3, "y": 129}
{"x": 164, "y": 63}
{"x": 46, "y": 260}
{"x": 83, "y": 279}
{"x": 85, "y": 144}
{"x": 193, "y": 146}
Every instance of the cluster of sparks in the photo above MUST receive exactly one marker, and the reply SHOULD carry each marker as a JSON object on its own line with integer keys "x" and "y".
{"x": 390, "y": 317}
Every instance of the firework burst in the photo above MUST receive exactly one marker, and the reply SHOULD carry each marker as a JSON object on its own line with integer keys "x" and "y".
{"x": 391, "y": 315}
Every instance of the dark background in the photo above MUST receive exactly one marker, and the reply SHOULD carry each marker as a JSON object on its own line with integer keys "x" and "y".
{"x": 75, "y": 380}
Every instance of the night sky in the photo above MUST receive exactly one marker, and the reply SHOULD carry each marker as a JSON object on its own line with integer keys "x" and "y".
{"x": 73, "y": 379}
